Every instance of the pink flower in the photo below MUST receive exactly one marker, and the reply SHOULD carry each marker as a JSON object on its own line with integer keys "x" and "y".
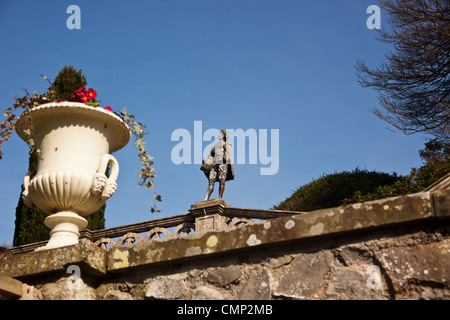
{"x": 59, "y": 100}
{"x": 108, "y": 108}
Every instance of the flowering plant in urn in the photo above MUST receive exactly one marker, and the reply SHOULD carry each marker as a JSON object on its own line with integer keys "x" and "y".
{"x": 76, "y": 171}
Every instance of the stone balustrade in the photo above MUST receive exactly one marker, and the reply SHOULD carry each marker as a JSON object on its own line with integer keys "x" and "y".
{"x": 208, "y": 215}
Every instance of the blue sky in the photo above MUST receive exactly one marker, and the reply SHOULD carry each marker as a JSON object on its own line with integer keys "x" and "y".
{"x": 249, "y": 64}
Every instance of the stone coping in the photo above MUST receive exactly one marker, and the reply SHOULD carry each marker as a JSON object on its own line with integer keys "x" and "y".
{"x": 362, "y": 217}
{"x": 90, "y": 258}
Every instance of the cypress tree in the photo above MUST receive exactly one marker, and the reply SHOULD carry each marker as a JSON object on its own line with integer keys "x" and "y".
{"x": 67, "y": 80}
{"x": 29, "y": 224}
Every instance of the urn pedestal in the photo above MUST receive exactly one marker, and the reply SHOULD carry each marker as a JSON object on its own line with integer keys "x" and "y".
{"x": 75, "y": 143}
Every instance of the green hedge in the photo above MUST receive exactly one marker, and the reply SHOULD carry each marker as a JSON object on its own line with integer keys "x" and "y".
{"x": 333, "y": 190}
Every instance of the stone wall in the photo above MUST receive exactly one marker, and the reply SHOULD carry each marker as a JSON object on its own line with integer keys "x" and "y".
{"x": 397, "y": 248}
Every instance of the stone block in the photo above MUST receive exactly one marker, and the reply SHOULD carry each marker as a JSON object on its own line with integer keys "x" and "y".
{"x": 423, "y": 262}
{"x": 10, "y": 288}
{"x": 224, "y": 276}
{"x": 210, "y": 223}
{"x": 167, "y": 287}
{"x": 305, "y": 275}
{"x": 352, "y": 254}
{"x": 280, "y": 261}
{"x": 258, "y": 287}
{"x": 117, "y": 295}
{"x": 430, "y": 294}
{"x": 441, "y": 200}
{"x": 209, "y": 203}
{"x": 67, "y": 289}
{"x": 206, "y": 293}
{"x": 352, "y": 284}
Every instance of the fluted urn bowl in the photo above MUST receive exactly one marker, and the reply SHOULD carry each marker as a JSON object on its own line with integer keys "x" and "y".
{"x": 76, "y": 143}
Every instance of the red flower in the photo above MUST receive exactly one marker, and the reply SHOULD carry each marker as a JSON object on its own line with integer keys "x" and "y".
{"x": 91, "y": 94}
{"x": 108, "y": 108}
{"x": 81, "y": 95}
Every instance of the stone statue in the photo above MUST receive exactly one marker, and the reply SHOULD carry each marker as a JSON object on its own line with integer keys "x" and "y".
{"x": 219, "y": 165}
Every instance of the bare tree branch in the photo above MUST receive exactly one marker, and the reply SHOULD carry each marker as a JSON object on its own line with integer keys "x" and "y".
{"x": 414, "y": 81}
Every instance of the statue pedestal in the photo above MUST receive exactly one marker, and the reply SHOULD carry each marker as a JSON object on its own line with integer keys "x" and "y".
{"x": 209, "y": 215}
{"x": 209, "y": 203}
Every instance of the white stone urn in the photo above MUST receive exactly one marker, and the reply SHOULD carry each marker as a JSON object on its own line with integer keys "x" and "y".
{"x": 75, "y": 143}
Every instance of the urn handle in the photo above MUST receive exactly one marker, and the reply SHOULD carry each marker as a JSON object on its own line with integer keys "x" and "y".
{"x": 103, "y": 185}
{"x": 114, "y": 165}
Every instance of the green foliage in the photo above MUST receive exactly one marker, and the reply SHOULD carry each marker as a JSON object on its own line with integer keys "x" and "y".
{"x": 96, "y": 220}
{"x": 437, "y": 164}
{"x": 436, "y": 150}
{"x": 29, "y": 224}
{"x": 8, "y": 125}
{"x": 330, "y": 189}
{"x": 30, "y": 228}
{"x": 67, "y": 80}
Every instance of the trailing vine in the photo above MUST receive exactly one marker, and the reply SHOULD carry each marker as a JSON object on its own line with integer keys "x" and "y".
{"x": 147, "y": 172}
{"x": 7, "y": 126}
